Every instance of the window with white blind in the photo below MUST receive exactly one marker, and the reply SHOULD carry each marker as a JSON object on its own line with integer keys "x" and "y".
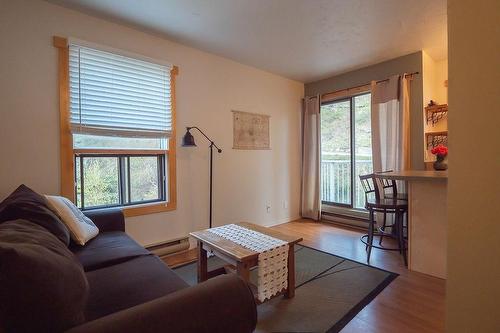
{"x": 111, "y": 94}
{"x": 120, "y": 121}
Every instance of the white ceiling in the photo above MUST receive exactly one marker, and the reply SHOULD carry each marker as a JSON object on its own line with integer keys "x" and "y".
{"x": 305, "y": 40}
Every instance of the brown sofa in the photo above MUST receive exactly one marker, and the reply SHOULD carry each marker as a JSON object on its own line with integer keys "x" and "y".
{"x": 132, "y": 290}
{"x": 112, "y": 284}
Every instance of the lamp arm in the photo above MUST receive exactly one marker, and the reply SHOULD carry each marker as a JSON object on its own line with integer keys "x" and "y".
{"x": 211, "y": 142}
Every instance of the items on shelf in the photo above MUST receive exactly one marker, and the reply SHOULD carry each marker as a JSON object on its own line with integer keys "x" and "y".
{"x": 435, "y": 112}
{"x": 434, "y": 139}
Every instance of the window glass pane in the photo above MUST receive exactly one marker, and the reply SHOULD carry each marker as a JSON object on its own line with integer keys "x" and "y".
{"x": 144, "y": 184}
{"x": 336, "y": 152}
{"x": 100, "y": 181}
{"x": 111, "y": 142}
{"x": 125, "y": 180}
{"x": 362, "y": 144}
{"x": 78, "y": 179}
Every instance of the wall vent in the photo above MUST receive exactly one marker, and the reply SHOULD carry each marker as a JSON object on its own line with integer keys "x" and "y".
{"x": 169, "y": 247}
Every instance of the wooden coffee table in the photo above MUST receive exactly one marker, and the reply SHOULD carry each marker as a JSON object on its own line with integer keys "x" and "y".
{"x": 241, "y": 258}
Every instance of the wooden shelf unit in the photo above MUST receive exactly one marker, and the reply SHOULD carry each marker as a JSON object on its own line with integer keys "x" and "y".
{"x": 435, "y": 113}
{"x": 434, "y": 139}
{"x": 435, "y": 129}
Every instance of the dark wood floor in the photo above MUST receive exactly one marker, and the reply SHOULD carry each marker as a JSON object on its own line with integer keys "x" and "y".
{"x": 413, "y": 302}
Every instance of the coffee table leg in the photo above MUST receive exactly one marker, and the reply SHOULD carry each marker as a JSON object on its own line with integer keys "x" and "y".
{"x": 202, "y": 263}
{"x": 290, "y": 292}
{"x": 243, "y": 271}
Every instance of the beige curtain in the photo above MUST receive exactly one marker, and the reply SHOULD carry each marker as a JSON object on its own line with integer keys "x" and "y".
{"x": 310, "y": 196}
{"x": 391, "y": 124}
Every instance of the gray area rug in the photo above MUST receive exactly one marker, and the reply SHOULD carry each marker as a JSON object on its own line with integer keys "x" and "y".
{"x": 331, "y": 290}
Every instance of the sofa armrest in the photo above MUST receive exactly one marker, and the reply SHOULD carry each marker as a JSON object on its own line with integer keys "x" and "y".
{"x": 107, "y": 219}
{"x": 222, "y": 304}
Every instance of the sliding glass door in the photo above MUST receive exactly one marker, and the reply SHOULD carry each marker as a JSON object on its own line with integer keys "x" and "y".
{"x": 346, "y": 150}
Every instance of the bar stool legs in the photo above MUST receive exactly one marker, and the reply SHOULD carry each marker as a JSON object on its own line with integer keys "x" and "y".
{"x": 399, "y": 234}
{"x": 402, "y": 245}
{"x": 383, "y": 229}
{"x": 371, "y": 228}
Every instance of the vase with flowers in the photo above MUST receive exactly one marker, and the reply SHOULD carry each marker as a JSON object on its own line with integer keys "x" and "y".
{"x": 440, "y": 151}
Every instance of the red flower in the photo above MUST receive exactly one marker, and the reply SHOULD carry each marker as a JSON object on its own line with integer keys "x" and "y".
{"x": 440, "y": 150}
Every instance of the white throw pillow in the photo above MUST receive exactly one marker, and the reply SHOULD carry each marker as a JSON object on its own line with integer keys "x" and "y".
{"x": 81, "y": 228}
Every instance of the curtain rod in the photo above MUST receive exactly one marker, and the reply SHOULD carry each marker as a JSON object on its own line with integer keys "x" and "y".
{"x": 406, "y": 75}
{"x": 366, "y": 84}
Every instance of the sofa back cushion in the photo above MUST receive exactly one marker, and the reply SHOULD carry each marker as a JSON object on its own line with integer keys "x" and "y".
{"x": 26, "y": 204}
{"x": 42, "y": 286}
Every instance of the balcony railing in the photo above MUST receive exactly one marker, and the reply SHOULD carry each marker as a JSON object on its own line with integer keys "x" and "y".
{"x": 336, "y": 181}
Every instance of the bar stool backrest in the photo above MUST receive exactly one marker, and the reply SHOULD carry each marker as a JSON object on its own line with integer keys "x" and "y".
{"x": 370, "y": 186}
{"x": 387, "y": 186}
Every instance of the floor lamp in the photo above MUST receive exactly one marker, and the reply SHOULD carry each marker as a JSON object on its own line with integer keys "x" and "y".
{"x": 188, "y": 141}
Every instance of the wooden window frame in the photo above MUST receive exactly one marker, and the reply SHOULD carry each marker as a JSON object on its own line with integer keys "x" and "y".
{"x": 67, "y": 161}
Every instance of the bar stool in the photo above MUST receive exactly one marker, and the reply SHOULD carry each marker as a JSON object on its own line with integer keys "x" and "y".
{"x": 374, "y": 203}
{"x": 389, "y": 190}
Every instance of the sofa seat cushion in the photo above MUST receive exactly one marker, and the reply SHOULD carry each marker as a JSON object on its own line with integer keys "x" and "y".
{"x": 130, "y": 283}
{"x": 108, "y": 248}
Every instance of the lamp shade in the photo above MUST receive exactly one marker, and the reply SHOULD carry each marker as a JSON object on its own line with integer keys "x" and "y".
{"x": 188, "y": 140}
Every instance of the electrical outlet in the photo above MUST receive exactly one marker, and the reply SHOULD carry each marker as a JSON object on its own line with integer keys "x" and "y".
{"x": 268, "y": 208}
{"x": 285, "y": 204}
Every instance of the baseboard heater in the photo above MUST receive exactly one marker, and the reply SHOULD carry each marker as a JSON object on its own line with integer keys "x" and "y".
{"x": 345, "y": 220}
{"x": 169, "y": 247}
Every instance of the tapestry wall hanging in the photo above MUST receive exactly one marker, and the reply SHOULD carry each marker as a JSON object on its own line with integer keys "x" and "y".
{"x": 250, "y": 130}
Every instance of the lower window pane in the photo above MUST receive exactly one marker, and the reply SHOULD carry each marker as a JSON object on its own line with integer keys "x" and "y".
{"x": 144, "y": 184}
{"x": 336, "y": 152}
{"x": 362, "y": 145}
{"x": 100, "y": 181}
{"x": 78, "y": 179}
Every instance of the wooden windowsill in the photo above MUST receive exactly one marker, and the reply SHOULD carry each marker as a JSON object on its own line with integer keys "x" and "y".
{"x": 151, "y": 208}
{"x": 105, "y": 151}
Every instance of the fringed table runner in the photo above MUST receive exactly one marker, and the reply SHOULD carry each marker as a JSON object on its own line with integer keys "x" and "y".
{"x": 273, "y": 257}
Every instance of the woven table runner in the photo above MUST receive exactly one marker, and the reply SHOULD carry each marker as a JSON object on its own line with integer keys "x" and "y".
{"x": 273, "y": 257}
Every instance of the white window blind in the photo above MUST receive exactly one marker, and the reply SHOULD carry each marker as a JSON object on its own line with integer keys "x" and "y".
{"x": 115, "y": 95}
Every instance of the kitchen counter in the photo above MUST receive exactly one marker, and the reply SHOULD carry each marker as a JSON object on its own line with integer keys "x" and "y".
{"x": 427, "y": 219}
{"x": 414, "y": 175}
